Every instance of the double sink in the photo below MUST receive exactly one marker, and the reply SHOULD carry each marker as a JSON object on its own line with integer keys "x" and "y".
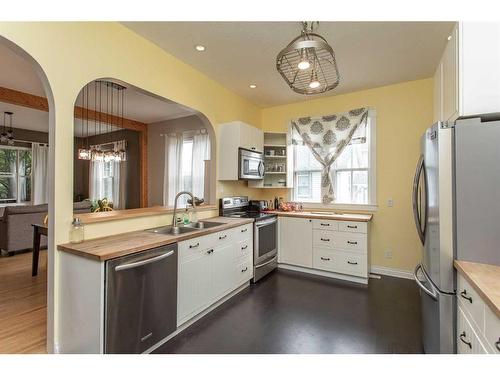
{"x": 181, "y": 229}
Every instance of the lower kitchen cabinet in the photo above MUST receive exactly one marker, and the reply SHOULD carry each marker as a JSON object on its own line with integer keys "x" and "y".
{"x": 478, "y": 327}
{"x": 210, "y": 267}
{"x": 335, "y": 248}
{"x": 296, "y": 241}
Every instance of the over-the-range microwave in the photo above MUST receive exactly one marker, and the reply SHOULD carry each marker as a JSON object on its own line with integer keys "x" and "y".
{"x": 250, "y": 165}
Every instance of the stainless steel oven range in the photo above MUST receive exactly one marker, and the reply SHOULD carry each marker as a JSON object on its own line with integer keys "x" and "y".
{"x": 265, "y": 233}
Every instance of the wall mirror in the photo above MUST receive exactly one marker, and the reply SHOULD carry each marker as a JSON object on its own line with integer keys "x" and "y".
{"x": 135, "y": 150}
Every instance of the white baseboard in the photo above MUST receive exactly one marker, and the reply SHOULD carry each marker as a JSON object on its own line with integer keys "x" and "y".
{"x": 332, "y": 275}
{"x": 394, "y": 272}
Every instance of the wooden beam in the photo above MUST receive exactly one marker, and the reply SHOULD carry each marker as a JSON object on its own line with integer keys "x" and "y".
{"x": 23, "y": 99}
{"x": 40, "y": 103}
{"x": 85, "y": 114}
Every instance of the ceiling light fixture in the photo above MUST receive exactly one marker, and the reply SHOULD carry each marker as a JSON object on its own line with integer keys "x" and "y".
{"x": 200, "y": 48}
{"x": 7, "y": 134}
{"x": 252, "y": 86}
{"x": 308, "y": 50}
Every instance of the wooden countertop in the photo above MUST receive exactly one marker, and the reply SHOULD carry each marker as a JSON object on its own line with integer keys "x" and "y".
{"x": 110, "y": 247}
{"x": 485, "y": 279}
{"x": 98, "y": 217}
{"x": 324, "y": 215}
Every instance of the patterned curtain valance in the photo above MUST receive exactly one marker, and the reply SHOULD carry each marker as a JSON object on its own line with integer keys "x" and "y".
{"x": 327, "y": 137}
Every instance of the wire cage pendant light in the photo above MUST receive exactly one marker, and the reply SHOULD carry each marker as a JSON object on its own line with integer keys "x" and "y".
{"x": 308, "y": 63}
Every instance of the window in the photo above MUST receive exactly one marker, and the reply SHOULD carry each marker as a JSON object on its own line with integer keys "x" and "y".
{"x": 352, "y": 173}
{"x": 15, "y": 175}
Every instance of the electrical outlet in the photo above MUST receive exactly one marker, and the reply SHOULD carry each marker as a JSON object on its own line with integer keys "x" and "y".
{"x": 390, "y": 202}
{"x": 388, "y": 254}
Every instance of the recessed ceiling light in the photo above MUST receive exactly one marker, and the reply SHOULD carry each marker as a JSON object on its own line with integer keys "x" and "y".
{"x": 252, "y": 86}
{"x": 200, "y": 48}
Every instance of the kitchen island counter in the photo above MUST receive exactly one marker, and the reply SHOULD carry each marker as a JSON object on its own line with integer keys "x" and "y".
{"x": 105, "y": 248}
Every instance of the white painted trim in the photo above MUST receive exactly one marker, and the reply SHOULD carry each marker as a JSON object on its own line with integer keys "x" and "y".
{"x": 340, "y": 206}
{"x": 394, "y": 272}
{"x": 331, "y": 275}
{"x": 197, "y": 317}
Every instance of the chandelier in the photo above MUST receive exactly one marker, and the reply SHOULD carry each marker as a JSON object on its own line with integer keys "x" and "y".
{"x": 108, "y": 103}
{"x": 308, "y": 63}
{"x": 7, "y": 134}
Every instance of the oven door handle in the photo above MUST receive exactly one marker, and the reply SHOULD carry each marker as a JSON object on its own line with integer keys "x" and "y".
{"x": 263, "y": 223}
{"x": 266, "y": 263}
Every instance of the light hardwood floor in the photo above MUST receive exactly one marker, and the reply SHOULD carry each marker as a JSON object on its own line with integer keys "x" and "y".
{"x": 23, "y": 305}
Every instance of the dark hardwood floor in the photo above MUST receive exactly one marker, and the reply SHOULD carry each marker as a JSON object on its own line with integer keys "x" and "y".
{"x": 289, "y": 312}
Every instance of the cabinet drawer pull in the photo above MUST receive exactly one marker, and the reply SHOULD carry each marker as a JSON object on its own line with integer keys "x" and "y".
{"x": 352, "y": 226}
{"x": 325, "y": 239}
{"x": 222, "y": 237}
{"x": 462, "y": 335}
{"x": 324, "y": 224}
{"x": 497, "y": 344}
{"x": 244, "y": 270}
{"x": 193, "y": 246}
{"x": 244, "y": 247}
{"x": 325, "y": 258}
{"x": 352, "y": 242}
{"x": 210, "y": 251}
{"x": 353, "y": 263}
{"x": 463, "y": 294}
{"x": 244, "y": 230}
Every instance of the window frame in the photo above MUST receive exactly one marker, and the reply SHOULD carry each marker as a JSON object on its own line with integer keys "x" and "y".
{"x": 372, "y": 180}
{"x": 18, "y": 176}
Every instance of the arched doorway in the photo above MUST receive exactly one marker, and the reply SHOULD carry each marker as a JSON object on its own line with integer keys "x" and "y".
{"x": 26, "y": 198}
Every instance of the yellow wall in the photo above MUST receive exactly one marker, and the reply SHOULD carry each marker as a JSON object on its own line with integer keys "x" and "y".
{"x": 404, "y": 111}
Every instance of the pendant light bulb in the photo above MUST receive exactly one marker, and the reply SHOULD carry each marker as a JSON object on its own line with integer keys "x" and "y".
{"x": 304, "y": 61}
{"x": 314, "y": 84}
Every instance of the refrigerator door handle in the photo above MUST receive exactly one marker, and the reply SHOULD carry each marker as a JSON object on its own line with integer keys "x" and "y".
{"x": 416, "y": 211}
{"x": 430, "y": 293}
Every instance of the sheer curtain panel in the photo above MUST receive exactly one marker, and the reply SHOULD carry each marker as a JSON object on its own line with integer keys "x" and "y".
{"x": 40, "y": 157}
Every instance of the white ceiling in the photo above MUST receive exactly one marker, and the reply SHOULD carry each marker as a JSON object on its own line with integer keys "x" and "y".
{"x": 369, "y": 54}
{"x": 18, "y": 74}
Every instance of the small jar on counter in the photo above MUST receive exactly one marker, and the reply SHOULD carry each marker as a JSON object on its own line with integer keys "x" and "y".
{"x": 76, "y": 234}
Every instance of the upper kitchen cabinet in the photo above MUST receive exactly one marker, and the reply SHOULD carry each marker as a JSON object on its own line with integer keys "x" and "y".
{"x": 231, "y": 136}
{"x": 278, "y": 162}
{"x": 467, "y": 79}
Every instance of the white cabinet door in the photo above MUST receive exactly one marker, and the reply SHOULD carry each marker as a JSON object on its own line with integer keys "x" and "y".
{"x": 450, "y": 78}
{"x": 194, "y": 284}
{"x": 296, "y": 241}
{"x": 222, "y": 264}
{"x": 438, "y": 93}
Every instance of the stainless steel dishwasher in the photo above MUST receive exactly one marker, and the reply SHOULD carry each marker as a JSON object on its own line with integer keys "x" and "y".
{"x": 140, "y": 299}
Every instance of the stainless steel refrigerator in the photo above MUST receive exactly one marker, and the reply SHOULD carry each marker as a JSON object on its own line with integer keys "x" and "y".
{"x": 456, "y": 205}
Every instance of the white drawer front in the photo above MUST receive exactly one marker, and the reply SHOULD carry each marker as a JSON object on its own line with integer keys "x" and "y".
{"x": 340, "y": 261}
{"x": 353, "y": 226}
{"x": 243, "y": 232}
{"x": 244, "y": 249}
{"x": 340, "y": 241}
{"x": 470, "y": 301}
{"x": 492, "y": 330}
{"x": 188, "y": 248}
{"x": 468, "y": 341}
{"x": 325, "y": 224}
{"x": 243, "y": 271}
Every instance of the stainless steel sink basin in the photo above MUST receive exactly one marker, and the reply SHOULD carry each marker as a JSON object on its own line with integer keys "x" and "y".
{"x": 171, "y": 230}
{"x": 204, "y": 224}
